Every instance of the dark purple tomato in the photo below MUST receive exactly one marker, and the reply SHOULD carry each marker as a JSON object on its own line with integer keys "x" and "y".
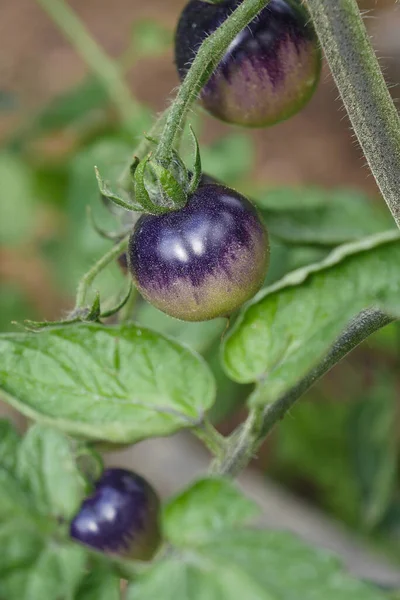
{"x": 270, "y": 70}
{"x": 122, "y": 260}
{"x": 120, "y": 517}
{"x": 203, "y": 261}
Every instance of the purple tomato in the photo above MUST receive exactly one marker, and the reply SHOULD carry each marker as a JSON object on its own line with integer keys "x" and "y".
{"x": 270, "y": 70}
{"x": 121, "y": 516}
{"x": 202, "y": 261}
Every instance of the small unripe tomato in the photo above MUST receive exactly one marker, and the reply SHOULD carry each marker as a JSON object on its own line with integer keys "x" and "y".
{"x": 203, "y": 261}
{"x": 120, "y": 517}
{"x": 270, "y": 70}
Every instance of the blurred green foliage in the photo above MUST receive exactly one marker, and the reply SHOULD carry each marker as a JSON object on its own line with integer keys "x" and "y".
{"x": 18, "y": 210}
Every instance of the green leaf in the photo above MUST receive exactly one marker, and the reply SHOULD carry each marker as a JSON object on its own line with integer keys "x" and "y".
{"x": 47, "y": 468}
{"x": 9, "y": 442}
{"x": 285, "y": 566}
{"x": 323, "y": 217}
{"x": 230, "y": 158}
{"x": 291, "y": 325}
{"x": 119, "y": 384}
{"x": 38, "y": 561}
{"x": 373, "y": 450}
{"x": 199, "y": 580}
{"x": 255, "y": 565}
{"x": 117, "y": 199}
{"x": 34, "y": 565}
{"x": 287, "y": 199}
{"x": 207, "y": 507}
{"x": 150, "y": 38}
{"x": 99, "y": 584}
{"x": 17, "y": 201}
{"x": 35, "y": 568}
{"x": 13, "y": 499}
{"x": 199, "y": 336}
{"x": 110, "y": 155}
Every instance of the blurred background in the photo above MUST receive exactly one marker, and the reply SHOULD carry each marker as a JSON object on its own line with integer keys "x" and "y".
{"x": 338, "y": 450}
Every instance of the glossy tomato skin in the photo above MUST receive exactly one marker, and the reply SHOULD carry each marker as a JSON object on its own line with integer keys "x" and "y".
{"x": 203, "y": 261}
{"x": 271, "y": 69}
{"x": 122, "y": 260}
{"x": 120, "y": 517}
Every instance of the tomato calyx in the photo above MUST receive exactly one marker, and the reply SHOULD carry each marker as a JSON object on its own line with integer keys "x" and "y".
{"x": 156, "y": 187}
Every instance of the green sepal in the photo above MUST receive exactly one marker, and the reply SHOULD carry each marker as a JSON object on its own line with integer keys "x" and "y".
{"x": 151, "y": 139}
{"x": 119, "y": 306}
{"x": 171, "y": 190}
{"x": 106, "y": 191}
{"x": 182, "y": 171}
{"x": 195, "y": 179}
{"x": 133, "y": 166}
{"x": 95, "y": 310}
{"x": 141, "y": 194}
{"x": 178, "y": 171}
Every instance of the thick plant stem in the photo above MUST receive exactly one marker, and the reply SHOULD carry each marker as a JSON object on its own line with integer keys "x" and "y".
{"x": 362, "y": 87}
{"x": 207, "y": 59}
{"x": 367, "y": 323}
{"x": 244, "y": 442}
{"x": 241, "y": 446}
{"x": 104, "y": 68}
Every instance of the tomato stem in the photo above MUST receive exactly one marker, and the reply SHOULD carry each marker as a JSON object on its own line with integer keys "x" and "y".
{"x": 214, "y": 441}
{"x": 244, "y": 442}
{"x": 364, "y": 92}
{"x": 207, "y": 59}
{"x": 240, "y": 446}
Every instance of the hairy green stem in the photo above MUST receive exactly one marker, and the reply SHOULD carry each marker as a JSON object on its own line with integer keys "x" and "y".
{"x": 207, "y": 59}
{"x": 244, "y": 442}
{"x": 100, "y": 64}
{"x": 364, "y": 92}
{"x": 367, "y": 323}
{"x": 214, "y": 441}
{"x": 89, "y": 277}
{"x": 240, "y": 446}
{"x": 144, "y": 147}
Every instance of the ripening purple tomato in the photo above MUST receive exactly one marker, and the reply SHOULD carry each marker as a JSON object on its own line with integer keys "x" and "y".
{"x": 202, "y": 261}
{"x": 270, "y": 70}
{"x": 120, "y": 517}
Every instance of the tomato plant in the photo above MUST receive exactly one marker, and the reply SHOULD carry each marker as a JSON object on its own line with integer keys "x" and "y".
{"x": 210, "y": 295}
